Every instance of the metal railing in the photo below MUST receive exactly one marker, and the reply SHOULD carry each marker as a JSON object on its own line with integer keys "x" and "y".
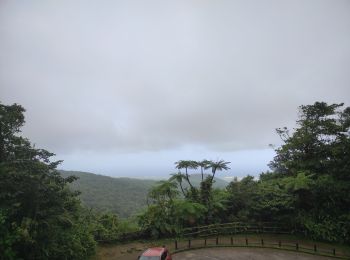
{"x": 230, "y": 235}
{"x": 239, "y": 228}
{"x": 184, "y": 244}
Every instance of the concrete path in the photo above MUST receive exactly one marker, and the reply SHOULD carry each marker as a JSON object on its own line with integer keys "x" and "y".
{"x": 244, "y": 254}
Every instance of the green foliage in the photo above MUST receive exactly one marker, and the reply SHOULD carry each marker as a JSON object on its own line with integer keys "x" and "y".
{"x": 241, "y": 196}
{"x": 219, "y": 165}
{"x": 9, "y": 235}
{"x": 216, "y": 208}
{"x": 178, "y": 177}
{"x": 206, "y": 191}
{"x": 107, "y": 227}
{"x": 333, "y": 230}
{"x": 319, "y": 145}
{"x": 170, "y": 218}
{"x": 163, "y": 192}
{"x": 316, "y": 157}
{"x": 187, "y": 213}
{"x": 272, "y": 202}
{"x": 122, "y": 196}
{"x": 168, "y": 215}
{"x": 189, "y": 164}
{"x": 193, "y": 193}
{"x": 310, "y": 182}
{"x": 157, "y": 219}
{"x": 40, "y": 215}
{"x": 75, "y": 242}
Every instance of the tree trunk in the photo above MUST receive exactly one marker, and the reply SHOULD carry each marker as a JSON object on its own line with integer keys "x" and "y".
{"x": 212, "y": 177}
{"x": 182, "y": 189}
{"x": 188, "y": 179}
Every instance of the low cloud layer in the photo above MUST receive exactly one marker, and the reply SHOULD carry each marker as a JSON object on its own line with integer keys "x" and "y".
{"x": 133, "y": 76}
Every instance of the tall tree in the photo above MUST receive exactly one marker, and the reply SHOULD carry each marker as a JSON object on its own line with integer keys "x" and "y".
{"x": 11, "y": 120}
{"x": 320, "y": 144}
{"x": 186, "y": 164}
{"x": 314, "y": 161}
{"x": 178, "y": 177}
{"x": 204, "y": 165}
{"x": 218, "y": 166}
{"x": 37, "y": 204}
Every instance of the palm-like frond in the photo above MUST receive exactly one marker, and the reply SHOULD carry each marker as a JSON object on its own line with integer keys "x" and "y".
{"x": 205, "y": 164}
{"x": 178, "y": 177}
{"x": 186, "y": 164}
{"x": 218, "y": 166}
{"x": 165, "y": 190}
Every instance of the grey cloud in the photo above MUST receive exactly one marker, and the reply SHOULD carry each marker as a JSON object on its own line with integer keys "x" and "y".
{"x": 133, "y": 76}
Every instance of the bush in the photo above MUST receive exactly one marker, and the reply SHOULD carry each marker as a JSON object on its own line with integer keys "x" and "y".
{"x": 332, "y": 230}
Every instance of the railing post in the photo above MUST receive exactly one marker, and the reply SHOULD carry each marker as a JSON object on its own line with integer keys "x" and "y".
{"x": 279, "y": 243}
{"x": 217, "y": 241}
{"x": 315, "y": 248}
{"x": 297, "y": 246}
{"x": 205, "y": 241}
{"x": 189, "y": 243}
{"x": 231, "y": 240}
{"x": 262, "y": 242}
{"x": 246, "y": 241}
{"x": 333, "y": 251}
{"x": 176, "y": 245}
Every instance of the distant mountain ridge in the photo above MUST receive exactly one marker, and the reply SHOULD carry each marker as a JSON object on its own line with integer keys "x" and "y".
{"x": 122, "y": 195}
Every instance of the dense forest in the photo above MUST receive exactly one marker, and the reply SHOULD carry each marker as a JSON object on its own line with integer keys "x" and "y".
{"x": 307, "y": 188}
{"x": 41, "y": 216}
{"x": 122, "y": 196}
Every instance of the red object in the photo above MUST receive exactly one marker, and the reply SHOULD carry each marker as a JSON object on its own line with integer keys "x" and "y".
{"x": 154, "y": 253}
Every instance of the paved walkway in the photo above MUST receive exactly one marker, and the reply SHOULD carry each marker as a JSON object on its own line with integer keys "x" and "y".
{"x": 244, "y": 254}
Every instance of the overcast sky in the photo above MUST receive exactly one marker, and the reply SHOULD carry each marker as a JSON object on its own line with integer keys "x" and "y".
{"x": 126, "y": 88}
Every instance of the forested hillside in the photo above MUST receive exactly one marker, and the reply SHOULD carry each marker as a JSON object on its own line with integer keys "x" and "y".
{"x": 123, "y": 196}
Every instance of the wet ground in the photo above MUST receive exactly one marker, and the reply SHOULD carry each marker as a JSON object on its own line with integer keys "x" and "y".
{"x": 244, "y": 254}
